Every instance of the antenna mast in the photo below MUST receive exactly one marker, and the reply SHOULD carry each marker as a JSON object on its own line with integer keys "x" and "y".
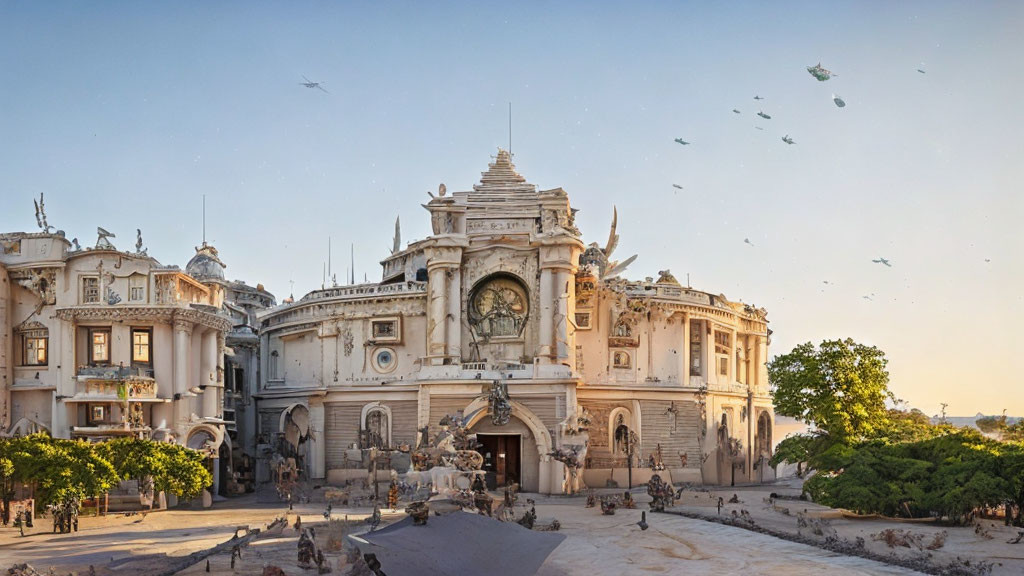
{"x": 509, "y": 128}
{"x": 204, "y": 219}
{"x": 352, "y": 255}
{"x": 328, "y": 256}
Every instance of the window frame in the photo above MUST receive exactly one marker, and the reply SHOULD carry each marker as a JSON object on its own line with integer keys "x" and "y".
{"x": 149, "y": 346}
{"x": 93, "y": 332}
{"x": 33, "y": 336}
{"x": 85, "y": 290}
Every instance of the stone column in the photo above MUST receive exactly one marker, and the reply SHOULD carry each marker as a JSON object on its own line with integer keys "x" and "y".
{"x": 182, "y": 344}
{"x": 684, "y": 354}
{"x": 561, "y": 337}
{"x": 6, "y": 351}
{"x": 454, "y": 328}
{"x": 208, "y": 373}
{"x": 317, "y": 446}
{"x": 708, "y": 338}
{"x": 546, "y": 316}
{"x": 437, "y": 294}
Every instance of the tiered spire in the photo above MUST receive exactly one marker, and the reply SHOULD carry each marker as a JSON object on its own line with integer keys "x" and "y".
{"x": 502, "y": 178}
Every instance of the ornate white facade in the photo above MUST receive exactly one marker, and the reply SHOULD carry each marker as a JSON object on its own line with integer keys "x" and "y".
{"x": 98, "y": 343}
{"x": 505, "y": 290}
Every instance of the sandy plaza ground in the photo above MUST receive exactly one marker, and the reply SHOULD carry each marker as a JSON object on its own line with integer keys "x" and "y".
{"x": 595, "y": 544}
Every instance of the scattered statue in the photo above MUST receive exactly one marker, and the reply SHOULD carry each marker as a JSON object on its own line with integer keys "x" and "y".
{"x": 419, "y": 512}
{"x": 442, "y": 190}
{"x": 662, "y": 494}
{"x": 601, "y": 258}
{"x": 374, "y": 519}
{"x": 608, "y": 506}
{"x": 307, "y": 550}
{"x": 75, "y": 246}
{"x": 393, "y": 496}
{"x": 529, "y": 518}
{"x": 591, "y": 499}
{"x": 102, "y": 243}
{"x": 627, "y": 500}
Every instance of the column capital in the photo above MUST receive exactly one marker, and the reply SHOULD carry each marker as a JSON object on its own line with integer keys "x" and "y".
{"x": 181, "y": 325}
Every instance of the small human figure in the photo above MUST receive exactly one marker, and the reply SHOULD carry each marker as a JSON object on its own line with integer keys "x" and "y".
{"x": 393, "y": 496}
{"x": 721, "y": 502}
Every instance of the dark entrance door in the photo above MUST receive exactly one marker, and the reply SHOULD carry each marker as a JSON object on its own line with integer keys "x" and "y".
{"x": 502, "y": 461}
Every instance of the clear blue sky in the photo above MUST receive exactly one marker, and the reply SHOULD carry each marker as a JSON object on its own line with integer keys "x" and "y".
{"x": 125, "y": 114}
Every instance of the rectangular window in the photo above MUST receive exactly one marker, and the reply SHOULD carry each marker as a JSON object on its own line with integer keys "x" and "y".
{"x": 99, "y": 347}
{"x": 141, "y": 347}
{"x": 723, "y": 366}
{"x": 695, "y": 348}
{"x": 137, "y": 288}
{"x": 386, "y": 330}
{"x": 723, "y": 342}
{"x": 97, "y": 413}
{"x": 583, "y": 320}
{"x": 90, "y": 290}
{"x": 35, "y": 350}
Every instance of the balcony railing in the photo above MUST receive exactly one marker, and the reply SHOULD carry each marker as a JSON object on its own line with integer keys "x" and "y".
{"x": 113, "y": 372}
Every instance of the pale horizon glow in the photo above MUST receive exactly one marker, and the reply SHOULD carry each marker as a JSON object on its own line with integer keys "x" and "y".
{"x": 126, "y": 114}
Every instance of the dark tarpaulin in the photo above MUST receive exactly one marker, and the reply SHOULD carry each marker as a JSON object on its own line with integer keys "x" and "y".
{"x": 458, "y": 544}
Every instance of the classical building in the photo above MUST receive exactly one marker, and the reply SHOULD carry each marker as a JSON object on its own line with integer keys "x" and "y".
{"x": 99, "y": 343}
{"x": 504, "y": 296}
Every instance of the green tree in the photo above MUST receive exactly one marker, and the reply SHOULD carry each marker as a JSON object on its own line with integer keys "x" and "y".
{"x": 991, "y": 424}
{"x": 840, "y": 387}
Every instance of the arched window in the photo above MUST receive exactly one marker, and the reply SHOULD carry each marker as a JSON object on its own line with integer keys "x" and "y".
{"x": 622, "y": 329}
{"x": 619, "y": 428}
{"x": 620, "y": 360}
{"x": 764, "y": 436}
{"x": 375, "y": 429}
{"x": 274, "y": 356}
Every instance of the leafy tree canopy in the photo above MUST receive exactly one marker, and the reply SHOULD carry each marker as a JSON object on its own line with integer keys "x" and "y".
{"x": 840, "y": 387}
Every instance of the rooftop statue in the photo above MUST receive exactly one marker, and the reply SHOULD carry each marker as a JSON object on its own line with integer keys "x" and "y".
{"x": 607, "y": 268}
{"x": 41, "y": 215}
{"x": 397, "y": 245}
{"x": 102, "y": 243}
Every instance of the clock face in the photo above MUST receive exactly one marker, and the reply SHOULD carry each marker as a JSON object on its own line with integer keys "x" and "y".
{"x": 499, "y": 308}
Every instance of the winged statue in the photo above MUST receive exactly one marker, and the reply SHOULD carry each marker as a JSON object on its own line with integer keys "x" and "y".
{"x": 595, "y": 255}
{"x": 102, "y": 241}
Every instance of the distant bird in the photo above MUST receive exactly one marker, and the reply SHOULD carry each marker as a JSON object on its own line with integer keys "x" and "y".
{"x": 735, "y": 111}
{"x": 677, "y": 186}
{"x": 643, "y": 521}
{"x": 988, "y": 259}
{"x": 866, "y": 297}
{"x": 787, "y": 139}
{"x": 763, "y": 115}
{"x": 758, "y": 127}
{"x": 825, "y": 282}
{"x": 681, "y": 141}
{"x": 839, "y": 101}
{"x": 882, "y": 261}
{"x": 747, "y": 241}
{"x": 758, "y": 98}
{"x": 921, "y": 71}
{"x": 310, "y": 84}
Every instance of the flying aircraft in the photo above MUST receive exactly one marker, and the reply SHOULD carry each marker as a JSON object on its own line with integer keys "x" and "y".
{"x": 677, "y": 186}
{"x": 839, "y": 101}
{"x": 763, "y": 115}
{"x": 681, "y": 141}
{"x": 758, "y": 98}
{"x": 735, "y": 111}
{"x": 747, "y": 241}
{"x": 310, "y": 84}
{"x": 882, "y": 261}
{"x": 758, "y": 127}
{"x": 921, "y": 71}
{"x": 787, "y": 139}
{"x": 820, "y": 73}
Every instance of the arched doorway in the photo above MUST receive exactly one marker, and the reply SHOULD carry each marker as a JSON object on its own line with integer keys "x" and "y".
{"x": 534, "y": 442}
{"x": 724, "y": 458}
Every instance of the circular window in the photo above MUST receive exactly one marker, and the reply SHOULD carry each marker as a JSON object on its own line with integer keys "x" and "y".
{"x": 384, "y": 360}
{"x": 498, "y": 308}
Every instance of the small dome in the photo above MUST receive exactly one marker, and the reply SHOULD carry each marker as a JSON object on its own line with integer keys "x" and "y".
{"x": 205, "y": 265}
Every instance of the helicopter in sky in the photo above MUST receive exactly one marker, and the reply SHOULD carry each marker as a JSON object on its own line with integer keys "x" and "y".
{"x": 681, "y": 141}
{"x": 310, "y": 84}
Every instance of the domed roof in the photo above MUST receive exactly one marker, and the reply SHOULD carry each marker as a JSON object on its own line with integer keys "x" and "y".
{"x": 205, "y": 265}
